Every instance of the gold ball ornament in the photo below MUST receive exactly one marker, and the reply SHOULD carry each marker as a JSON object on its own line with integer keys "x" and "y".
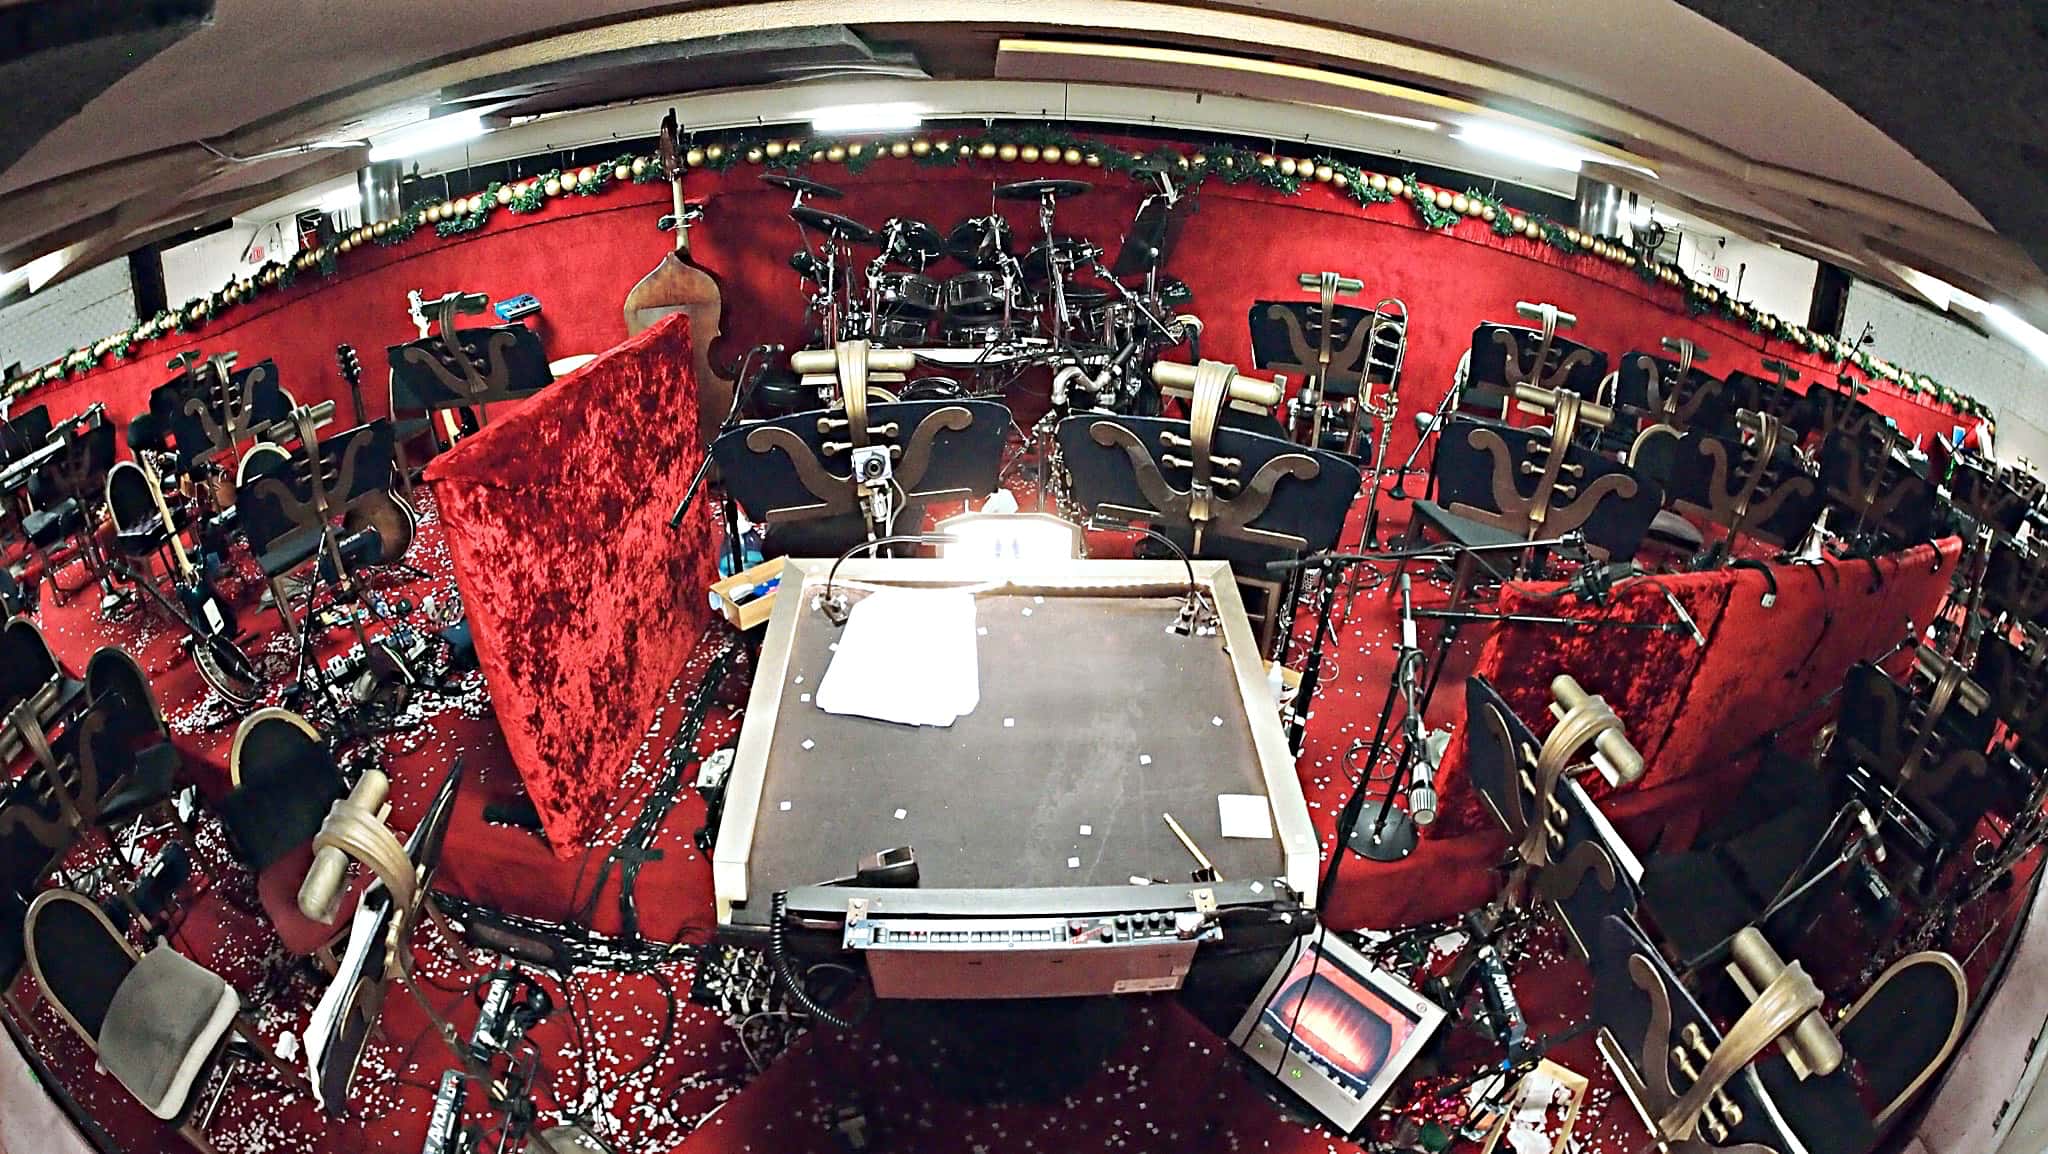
{"x": 920, "y": 148}
{"x": 1325, "y": 173}
{"x": 772, "y": 149}
{"x": 475, "y": 204}
{"x": 694, "y": 158}
{"x": 621, "y": 172}
{"x": 1488, "y": 214}
{"x": 1028, "y": 154}
{"x": 586, "y": 175}
{"x": 817, "y": 156}
{"x": 1571, "y": 236}
{"x": 1007, "y": 152}
{"x": 380, "y": 228}
{"x": 754, "y": 156}
{"x": 1093, "y": 160}
{"x": 553, "y": 187}
{"x": 1444, "y": 198}
{"x": 715, "y": 153}
{"x": 1071, "y": 156}
{"x": 942, "y": 145}
{"x": 987, "y": 150}
{"x": 1341, "y": 180}
{"x": 433, "y": 213}
{"x": 856, "y": 148}
{"x": 568, "y": 180}
{"x": 1377, "y": 182}
{"x": 1461, "y": 204}
{"x": 504, "y": 194}
{"x": 1287, "y": 166}
{"x": 900, "y": 149}
{"x": 1396, "y": 187}
{"x": 640, "y": 164}
{"x": 835, "y": 154}
{"x": 1267, "y": 160}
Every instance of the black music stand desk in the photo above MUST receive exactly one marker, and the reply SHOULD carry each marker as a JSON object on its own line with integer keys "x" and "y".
{"x": 1092, "y": 713}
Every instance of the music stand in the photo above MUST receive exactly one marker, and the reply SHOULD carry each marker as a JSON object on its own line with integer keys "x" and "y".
{"x": 1282, "y": 342}
{"x": 470, "y": 370}
{"x": 1745, "y": 487}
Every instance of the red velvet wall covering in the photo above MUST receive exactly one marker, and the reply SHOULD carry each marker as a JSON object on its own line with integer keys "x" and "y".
{"x": 583, "y": 602}
{"x": 1691, "y": 711}
{"x": 579, "y": 257}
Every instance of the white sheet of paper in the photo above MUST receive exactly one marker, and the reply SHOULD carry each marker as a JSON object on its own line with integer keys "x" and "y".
{"x": 1245, "y": 815}
{"x": 907, "y": 656}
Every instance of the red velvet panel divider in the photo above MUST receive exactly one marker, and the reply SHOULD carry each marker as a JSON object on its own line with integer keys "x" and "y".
{"x": 1692, "y": 710}
{"x": 583, "y": 602}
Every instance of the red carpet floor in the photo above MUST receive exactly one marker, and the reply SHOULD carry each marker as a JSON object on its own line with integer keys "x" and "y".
{"x": 650, "y": 1071}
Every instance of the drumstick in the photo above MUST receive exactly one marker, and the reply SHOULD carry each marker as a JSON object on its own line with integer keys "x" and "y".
{"x": 1207, "y": 872}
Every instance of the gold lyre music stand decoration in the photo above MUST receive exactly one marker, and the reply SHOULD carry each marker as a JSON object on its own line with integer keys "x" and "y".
{"x": 1217, "y": 499}
{"x": 1733, "y": 495}
{"x": 1305, "y": 421}
{"x": 1549, "y": 318}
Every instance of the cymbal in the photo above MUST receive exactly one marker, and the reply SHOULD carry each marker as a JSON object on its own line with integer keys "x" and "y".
{"x": 917, "y": 242}
{"x": 833, "y": 224}
{"x": 979, "y": 242}
{"x": 801, "y": 185}
{"x": 1034, "y": 189}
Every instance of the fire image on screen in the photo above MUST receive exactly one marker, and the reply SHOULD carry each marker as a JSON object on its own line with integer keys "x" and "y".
{"x": 1337, "y": 1021}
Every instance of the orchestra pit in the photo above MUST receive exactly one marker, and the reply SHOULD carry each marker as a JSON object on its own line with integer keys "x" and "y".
{"x": 1144, "y": 576}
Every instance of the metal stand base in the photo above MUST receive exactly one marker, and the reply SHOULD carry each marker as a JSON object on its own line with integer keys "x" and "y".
{"x": 1396, "y": 840}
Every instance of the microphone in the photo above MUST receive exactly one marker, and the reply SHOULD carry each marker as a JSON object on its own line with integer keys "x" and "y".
{"x": 1407, "y": 616}
{"x": 1873, "y": 841}
{"x": 1698, "y": 638}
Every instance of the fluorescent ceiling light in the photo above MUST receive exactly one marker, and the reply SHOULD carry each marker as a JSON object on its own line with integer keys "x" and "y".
{"x": 1414, "y": 122}
{"x": 2017, "y": 331}
{"x": 848, "y": 118}
{"x": 341, "y": 200}
{"x": 1546, "y": 151}
{"x": 428, "y": 136}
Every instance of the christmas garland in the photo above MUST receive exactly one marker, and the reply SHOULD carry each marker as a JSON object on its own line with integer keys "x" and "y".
{"x": 1438, "y": 209}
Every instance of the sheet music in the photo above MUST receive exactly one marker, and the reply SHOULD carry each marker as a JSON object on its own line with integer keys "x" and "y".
{"x": 907, "y": 656}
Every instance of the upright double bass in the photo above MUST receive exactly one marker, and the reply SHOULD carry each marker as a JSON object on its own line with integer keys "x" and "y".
{"x": 680, "y": 285}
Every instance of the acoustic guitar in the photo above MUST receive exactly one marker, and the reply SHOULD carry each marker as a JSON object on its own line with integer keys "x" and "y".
{"x": 209, "y": 617}
{"x": 383, "y": 508}
{"x": 680, "y": 285}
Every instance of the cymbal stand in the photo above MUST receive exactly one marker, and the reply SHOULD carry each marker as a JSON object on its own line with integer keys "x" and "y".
{"x": 1436, "y": 423}
{"x": 1056, "y": 271}
{"x": 1393, "y": 833}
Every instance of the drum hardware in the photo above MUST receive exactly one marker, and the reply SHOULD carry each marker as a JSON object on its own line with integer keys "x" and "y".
{"x": 1058, "y": 260}
{"x": 980, "y": 241}
{"x": 1386, "y": 350}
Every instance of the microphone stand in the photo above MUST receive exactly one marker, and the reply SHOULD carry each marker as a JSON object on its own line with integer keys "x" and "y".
{"x": 732, "y": 418}
{"x": 1436, "y": 423}
{"x": 1392, "y": 835}
{"x": 1330, "y": 565}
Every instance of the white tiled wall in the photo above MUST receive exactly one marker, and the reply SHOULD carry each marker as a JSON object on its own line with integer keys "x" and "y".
{"x": 1995, "y": 371}
{"x": 69, "y": 315}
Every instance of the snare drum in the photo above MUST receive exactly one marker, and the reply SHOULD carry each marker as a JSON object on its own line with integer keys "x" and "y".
{"x": 902, "y": 330}
{"x": 974, "y": 294}
{"x": 968, "y": 331}
{"x": 907, "y": 294}
{"x": 933, "y": 389}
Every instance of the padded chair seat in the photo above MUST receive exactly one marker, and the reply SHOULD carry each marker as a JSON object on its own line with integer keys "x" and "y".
{"x": 1826, "y": 1113}
{"x": 1463, "y": 530}
{"x": 46, "y": 527}
{"x": 1669, "y": 528}
{"x": 410, "y": 428}
{"x": 162, "y": 1028}
{"x": 151, "y": 783}
{"x": 278, "y": 889}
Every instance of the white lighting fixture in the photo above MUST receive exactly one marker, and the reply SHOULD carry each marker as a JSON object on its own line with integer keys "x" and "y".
{"x": 2017, "y": 331}
{"x": 1011, "y": 537}
{"x": 341, "y": 200}
{"x": 427, "y": 136}
{"x": 1527, "y": 146}
{"x": 37, "y": 272}
{"x": 850, "y": 118}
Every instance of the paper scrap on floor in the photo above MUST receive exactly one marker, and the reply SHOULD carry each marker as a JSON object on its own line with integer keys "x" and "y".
{"x": 1245, "y": 815}
{"x": 907, "y": 656}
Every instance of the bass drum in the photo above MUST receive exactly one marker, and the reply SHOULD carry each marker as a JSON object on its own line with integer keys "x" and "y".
{"x": 225, "y": 669}
{"x": 779, "y": 393}
{"x": 969, "y": 331}
{"x": 907, "y": 294}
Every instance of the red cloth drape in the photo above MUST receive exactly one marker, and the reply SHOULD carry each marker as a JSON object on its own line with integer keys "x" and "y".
{"x": 583, "y": 602}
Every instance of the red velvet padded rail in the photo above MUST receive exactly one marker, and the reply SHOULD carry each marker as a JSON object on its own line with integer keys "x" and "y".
{"x": 1691, "y": 711}
{"x": 583, "y": 602}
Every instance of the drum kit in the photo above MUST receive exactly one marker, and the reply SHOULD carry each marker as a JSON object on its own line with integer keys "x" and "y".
{"x": 1002, "y": 312}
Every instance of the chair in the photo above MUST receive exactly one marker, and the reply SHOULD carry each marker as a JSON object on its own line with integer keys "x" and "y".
{"x": 284, "y": 779}
{"x": 158, "y": 1022}
{"x": 65, "y": 494}
{"x": 1674, "y": 394}
{"x": 1498, "y": 486}
{"x": 29, "y": 674}
{"x": 1775, "y": 836}
{"x": 1905, "y": 1026}
{"x": 139, "y": 529}
{"x": 279, "y": 543}
{"x": 1746, "y": 484}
